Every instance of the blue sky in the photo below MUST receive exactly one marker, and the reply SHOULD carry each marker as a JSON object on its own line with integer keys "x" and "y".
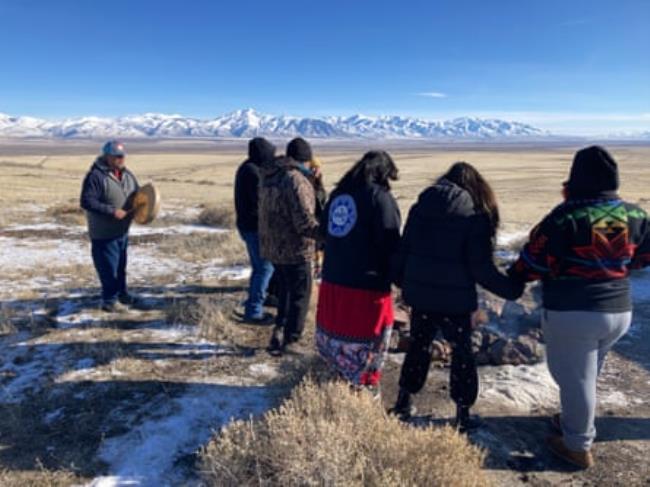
{"x": 571, "y": 66}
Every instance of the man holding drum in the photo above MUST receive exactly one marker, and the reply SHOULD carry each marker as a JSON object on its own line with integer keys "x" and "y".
{"x": 107, "y": 196}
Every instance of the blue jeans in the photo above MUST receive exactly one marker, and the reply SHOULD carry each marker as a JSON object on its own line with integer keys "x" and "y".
{"x": 109, "y": 257}
{"x": 262, "y": 271}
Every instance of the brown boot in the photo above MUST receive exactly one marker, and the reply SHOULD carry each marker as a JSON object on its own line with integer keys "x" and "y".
{"x": 582, "y": 459}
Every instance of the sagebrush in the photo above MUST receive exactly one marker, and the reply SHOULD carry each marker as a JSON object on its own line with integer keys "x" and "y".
{"x": 331, "y": 435}
{"x": 218, "y": 216}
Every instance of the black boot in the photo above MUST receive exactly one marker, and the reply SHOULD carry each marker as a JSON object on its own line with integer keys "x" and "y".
{"x": 275, "y": 345}
{"x": 403, "y": 408}
{"x": 464, "y": 422}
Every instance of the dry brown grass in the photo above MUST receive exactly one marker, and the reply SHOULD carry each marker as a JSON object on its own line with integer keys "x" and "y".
{"x": 7, "y": 319}
{"x": 67, "y": 214}
{"x": 14, "y": 319}
{"x": 200, "y": 247}
{"x": 527, "y": 180}
{"x": 329, "y": 435}
{"x": 215, "y": 322}
{"x": 38, "y": 478}
{"x": 212, "y": 315}
{"x": 222, "y": 216}
{"x": 78, "y": 274}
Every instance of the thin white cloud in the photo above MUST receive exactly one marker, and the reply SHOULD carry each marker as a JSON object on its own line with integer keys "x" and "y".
{"x": 432, "y": 94}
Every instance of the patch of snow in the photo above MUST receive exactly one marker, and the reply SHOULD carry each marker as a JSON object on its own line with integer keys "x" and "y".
{"x": 614, "y": 399}
{"x": 235, "y": 273}
{"x": 147, "y": 454}
{"x": 263, "y": 370}
{"x": 518, "y": 388}
{"x": 144, "y": 262}
{"x": 31, "y": 366}
{"x": 137, "y": 230}
{"x": 29, "y": 253}
{"x": 69, "y": 229}
{"x": 75, "y": 320}
{"x": 506, "y": 239}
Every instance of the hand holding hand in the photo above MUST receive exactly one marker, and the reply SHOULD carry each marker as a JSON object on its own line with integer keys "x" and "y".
{"x": 479, "y": 318}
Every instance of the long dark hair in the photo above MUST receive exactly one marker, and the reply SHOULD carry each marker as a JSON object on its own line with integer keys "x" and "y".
{"x": 467, "y": 177}
{"x": 376, "y": 166}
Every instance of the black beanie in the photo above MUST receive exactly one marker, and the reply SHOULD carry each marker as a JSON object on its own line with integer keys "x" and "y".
{"x": 260, "y": 151}
{"x": 594, "y": 172}
{"x": 299, "y": 150}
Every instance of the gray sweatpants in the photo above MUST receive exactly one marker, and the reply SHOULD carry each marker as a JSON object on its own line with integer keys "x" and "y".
{"x": 576, "y": 345}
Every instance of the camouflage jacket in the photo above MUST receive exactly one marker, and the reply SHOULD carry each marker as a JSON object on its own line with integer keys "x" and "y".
{"x": 287, "y": 220}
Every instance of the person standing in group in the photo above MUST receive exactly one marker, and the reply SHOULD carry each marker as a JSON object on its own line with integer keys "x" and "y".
{"x": 315, "y": 167}
{"x": 446, "y": 249}
{"x": 288, "y": 229}
{"x": 355, "y": 308}
{"x": 247, "y": 181}
{"x": 106, "y": 195}
{"x": 583, "y": 252}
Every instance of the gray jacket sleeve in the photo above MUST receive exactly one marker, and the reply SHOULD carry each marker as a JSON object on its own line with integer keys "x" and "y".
{"x": 92, "y": 191}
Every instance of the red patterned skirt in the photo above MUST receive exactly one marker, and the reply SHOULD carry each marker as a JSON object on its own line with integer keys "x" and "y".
{"x": 353, "y": 331}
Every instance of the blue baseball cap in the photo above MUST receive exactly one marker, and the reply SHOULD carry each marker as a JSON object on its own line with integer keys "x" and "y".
{"x": 113, "y": 148}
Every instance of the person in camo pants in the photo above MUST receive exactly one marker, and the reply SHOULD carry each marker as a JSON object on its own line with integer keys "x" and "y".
{"x": 583, "y": 252}
{"x": 106, "y": 195}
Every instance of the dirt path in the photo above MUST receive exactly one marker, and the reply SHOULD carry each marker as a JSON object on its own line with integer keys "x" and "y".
{"x": 516, "y": 403}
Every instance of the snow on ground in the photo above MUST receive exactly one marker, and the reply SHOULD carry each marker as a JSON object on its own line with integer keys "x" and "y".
{"x": 173, "y": 428}
{"x": 511, "y": 237}
{"x": 520, "y": 388}
{"x": 45, "y": 226}
{"x": 174, "y": 230}
{"x": 27, "y": 367}
{"x": 24, "y": 254}
{"x": 145, "y": 262}
{"x": 147, "y": 454}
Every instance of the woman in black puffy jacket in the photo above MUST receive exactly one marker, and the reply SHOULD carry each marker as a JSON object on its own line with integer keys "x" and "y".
{"x": 445, "y": 251}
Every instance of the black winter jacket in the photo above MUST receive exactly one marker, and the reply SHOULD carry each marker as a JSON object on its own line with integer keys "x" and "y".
{"x": 361, "y": 229}
{"x": 445, "y": 251}
{"x": 247, "y": 181}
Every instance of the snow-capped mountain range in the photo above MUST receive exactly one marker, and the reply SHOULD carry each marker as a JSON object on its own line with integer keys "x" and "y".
{"x": 249, "y": 123}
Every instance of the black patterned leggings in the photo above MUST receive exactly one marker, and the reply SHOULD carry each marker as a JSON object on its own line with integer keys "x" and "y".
{"x": 457, "y": 330}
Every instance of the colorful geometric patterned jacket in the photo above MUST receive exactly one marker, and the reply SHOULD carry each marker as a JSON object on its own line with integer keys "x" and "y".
{"x": 583, "y": 252}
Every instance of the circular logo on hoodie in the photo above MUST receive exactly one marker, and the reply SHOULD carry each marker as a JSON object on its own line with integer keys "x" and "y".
{"x": 343, "y": 216}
